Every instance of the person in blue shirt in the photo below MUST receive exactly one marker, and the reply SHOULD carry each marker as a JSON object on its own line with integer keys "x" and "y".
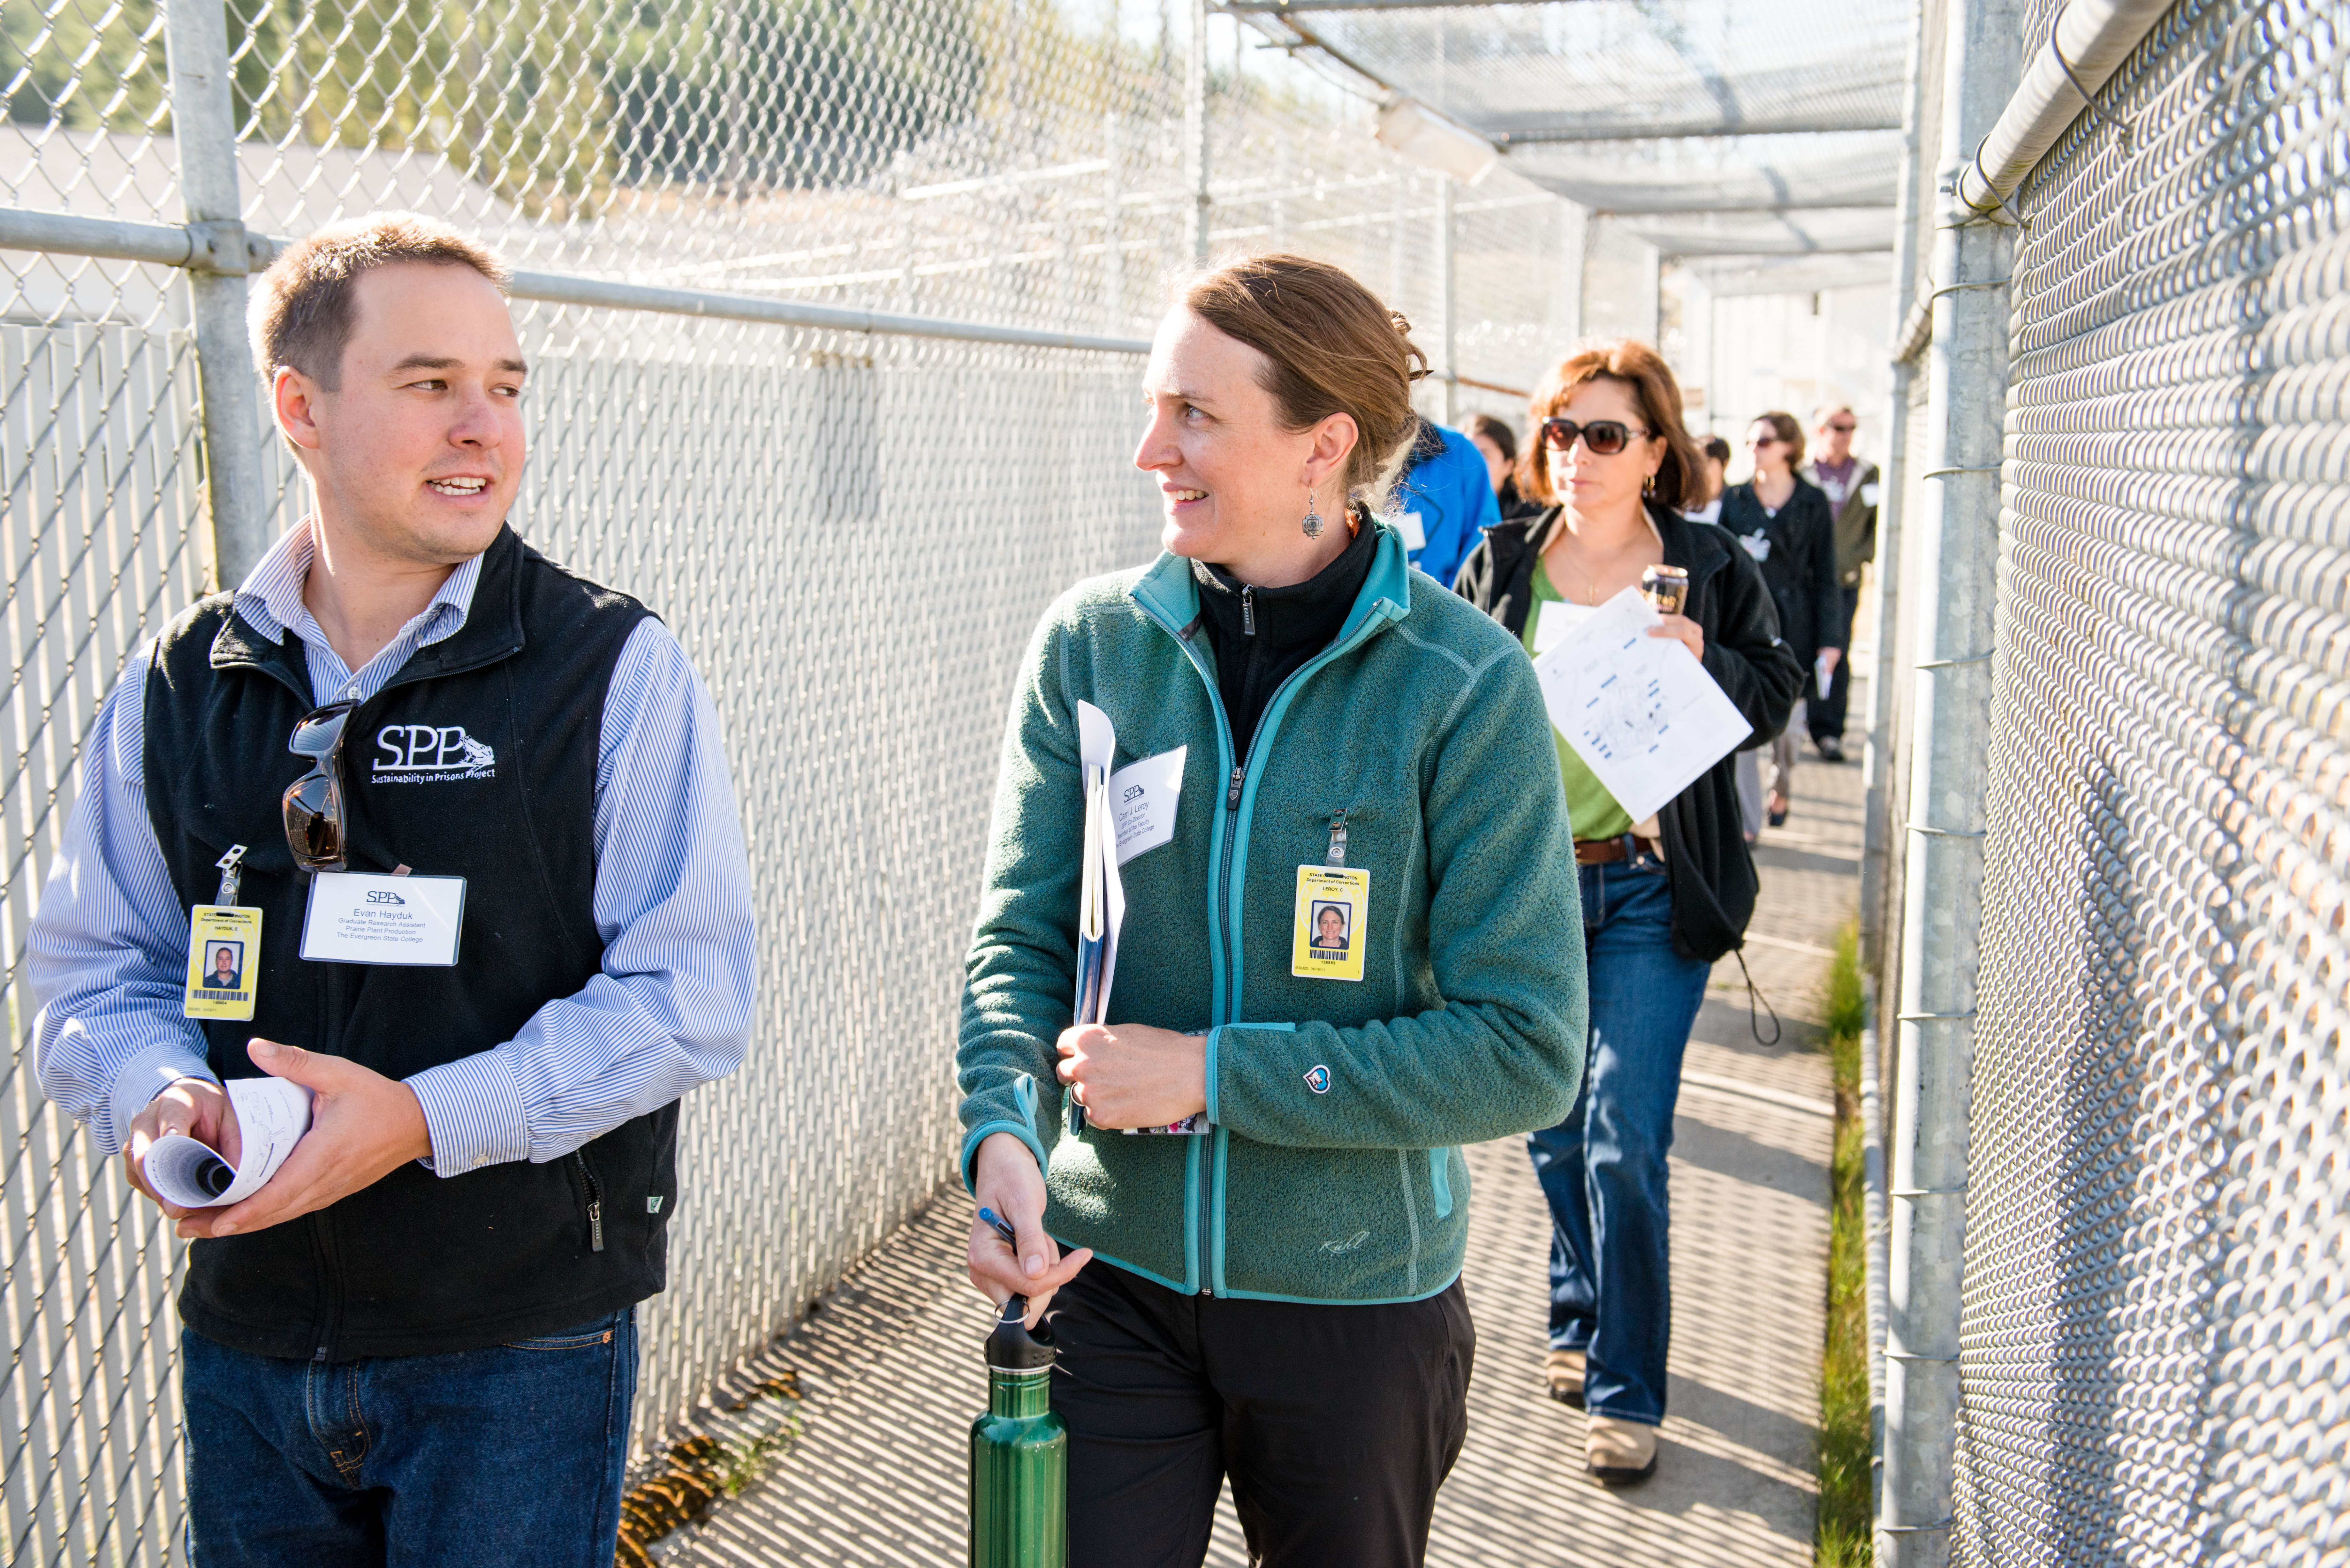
{"x": 1444, "y": 501}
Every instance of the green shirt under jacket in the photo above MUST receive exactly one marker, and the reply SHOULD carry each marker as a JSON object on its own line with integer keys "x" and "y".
{"x": 1333, "y": 1173}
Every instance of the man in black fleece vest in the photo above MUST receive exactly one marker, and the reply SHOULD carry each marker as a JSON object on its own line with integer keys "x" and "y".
{"x": 405, "y": 713}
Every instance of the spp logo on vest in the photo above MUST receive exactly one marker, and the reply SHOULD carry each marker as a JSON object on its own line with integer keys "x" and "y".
{"x": 431, "y": 753}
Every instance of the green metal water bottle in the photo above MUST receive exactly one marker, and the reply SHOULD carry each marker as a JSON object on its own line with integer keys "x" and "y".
{"x": 1019, "y": 1453}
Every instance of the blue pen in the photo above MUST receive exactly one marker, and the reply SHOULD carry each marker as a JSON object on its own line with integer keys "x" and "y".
{"x": 1003, "y": 1229}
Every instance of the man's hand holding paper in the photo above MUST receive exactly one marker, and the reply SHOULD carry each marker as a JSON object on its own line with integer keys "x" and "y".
{"x": 358, "y": 1127}
{"x": 196, "y": 1108}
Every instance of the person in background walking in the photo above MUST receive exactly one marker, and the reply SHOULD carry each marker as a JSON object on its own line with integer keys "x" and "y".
{"x": 1278, "y": 1297}
{"x": 1444, "y": 500}
{"x": 1715, "y": 453}
{"x": 1852, "y": 487}
{"x": 1713, "y": 458}
{"x": 1499, "y": 443}
{"x": 1785, "y": 524}
{"x": 1662, "y": 897}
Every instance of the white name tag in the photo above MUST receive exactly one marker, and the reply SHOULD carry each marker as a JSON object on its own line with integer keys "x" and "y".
{"x": 355, "y": 918}
{"x": 1407, "y": 523}
{"x": 1869, "y": 494}
{"x": 1142, "y": 800}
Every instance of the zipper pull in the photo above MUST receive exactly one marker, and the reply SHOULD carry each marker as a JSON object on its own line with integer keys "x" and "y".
{"x": 1248, "y": 611}
{"x": 595, "y": 1202}
{"x": 1232, "y": 797}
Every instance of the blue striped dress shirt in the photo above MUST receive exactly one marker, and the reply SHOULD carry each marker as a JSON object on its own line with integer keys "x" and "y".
{"x": 107, "y": 957}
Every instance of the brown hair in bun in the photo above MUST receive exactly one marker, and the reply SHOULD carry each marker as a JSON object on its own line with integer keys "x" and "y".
{"x": 1333, "y": 349}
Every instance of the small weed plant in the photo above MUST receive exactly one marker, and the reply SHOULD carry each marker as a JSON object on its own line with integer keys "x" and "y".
{"x": 1843, "y": 1537}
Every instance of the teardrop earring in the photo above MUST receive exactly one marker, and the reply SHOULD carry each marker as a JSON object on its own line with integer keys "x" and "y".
{"x": 1312, "y": 527}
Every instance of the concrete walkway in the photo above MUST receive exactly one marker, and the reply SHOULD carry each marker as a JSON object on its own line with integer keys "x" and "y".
{"x": 890, "y": 1373}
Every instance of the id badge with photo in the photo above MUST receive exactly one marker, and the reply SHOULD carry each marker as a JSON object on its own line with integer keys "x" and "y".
{"x": 1334, "y": 905}
{"x": 223, "y": 961}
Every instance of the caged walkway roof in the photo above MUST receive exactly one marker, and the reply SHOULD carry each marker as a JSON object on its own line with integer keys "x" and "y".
{"x": 1730, "y": 129}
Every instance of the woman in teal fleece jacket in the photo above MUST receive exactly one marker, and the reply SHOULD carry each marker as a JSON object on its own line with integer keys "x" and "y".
{"x": 1276, "y": 1297}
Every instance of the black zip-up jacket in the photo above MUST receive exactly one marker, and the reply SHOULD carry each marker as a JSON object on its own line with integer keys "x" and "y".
{"x": 1262, "y": 637}
{"x": 1706, "y": 858}
{"x": 1801, "y": 563}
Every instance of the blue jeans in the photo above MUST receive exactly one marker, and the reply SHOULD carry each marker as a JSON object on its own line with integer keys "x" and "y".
{"x": 1602, "y": 1169}
{"x": 505, "y": 1458}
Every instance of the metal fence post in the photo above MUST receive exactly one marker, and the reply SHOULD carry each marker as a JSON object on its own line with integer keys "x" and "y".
{"x": 1113, "y": 229}
{"x": 1956, "y": 540}
{"x": 203, "y": 128}
{"x": 1592, "y": 222}
{"x": 1874, "y": 761}
{"x": 1195, "y": 128}
{"x": 1446, "y": 370}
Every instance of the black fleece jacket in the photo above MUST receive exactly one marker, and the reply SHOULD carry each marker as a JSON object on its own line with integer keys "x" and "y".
{"x": 1706, "y": 858}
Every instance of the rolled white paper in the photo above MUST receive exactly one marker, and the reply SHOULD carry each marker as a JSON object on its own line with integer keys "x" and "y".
{"x": 271, "y": 1114}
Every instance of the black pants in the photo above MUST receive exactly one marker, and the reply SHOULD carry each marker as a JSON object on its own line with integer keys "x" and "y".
{"x": 1826, "y": 713}
{"x": 1337, "y": 1424}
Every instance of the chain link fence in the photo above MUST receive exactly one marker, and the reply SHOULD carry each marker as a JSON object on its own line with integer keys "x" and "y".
{"x": 852, "y": 532}
{"x": 2153, "y": 1353}
{"x": 2151, "y": 1349}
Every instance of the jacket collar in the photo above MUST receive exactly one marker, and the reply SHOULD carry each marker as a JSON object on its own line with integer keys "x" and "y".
{"x": 1168, "y": 591}
{"x": 1700, "y": 549}
{"x": 491, "y": 630}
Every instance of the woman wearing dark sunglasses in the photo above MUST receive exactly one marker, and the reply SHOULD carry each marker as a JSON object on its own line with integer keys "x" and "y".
{"x": 1662, "y": 897}
{"x": 1784, "y": 521}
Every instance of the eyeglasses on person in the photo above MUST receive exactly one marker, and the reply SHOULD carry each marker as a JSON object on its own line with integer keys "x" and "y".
{"x": 1601, "y": 437}
{"x": 314, "y": 826}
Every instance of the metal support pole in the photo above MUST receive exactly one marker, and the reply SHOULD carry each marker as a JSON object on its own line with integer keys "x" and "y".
{"x": 1195, "y": 128}
{"x": 1592, "y": 223}
{"x": 204, "y": 126}
{"x": 1956, "y": 546}
{"x": 1573, "y": 245}
{"x": 1885, "y": 640}
{"x": 1446, "y": 368}
{"x": 1285, "y": 182}
{"x": 1650, "y": 327}
{"x": 1113, "y": 227}
{"x": 1713, "y": 400}
{"x": 1891, "y": 667}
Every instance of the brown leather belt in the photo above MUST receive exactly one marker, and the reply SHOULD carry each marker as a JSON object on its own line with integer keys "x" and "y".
{"x": 1611, "y": 851}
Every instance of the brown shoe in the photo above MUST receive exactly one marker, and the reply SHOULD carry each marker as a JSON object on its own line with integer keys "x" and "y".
{"x": 1564, "y": 1368}
{"x": 1619, "y": 1453}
